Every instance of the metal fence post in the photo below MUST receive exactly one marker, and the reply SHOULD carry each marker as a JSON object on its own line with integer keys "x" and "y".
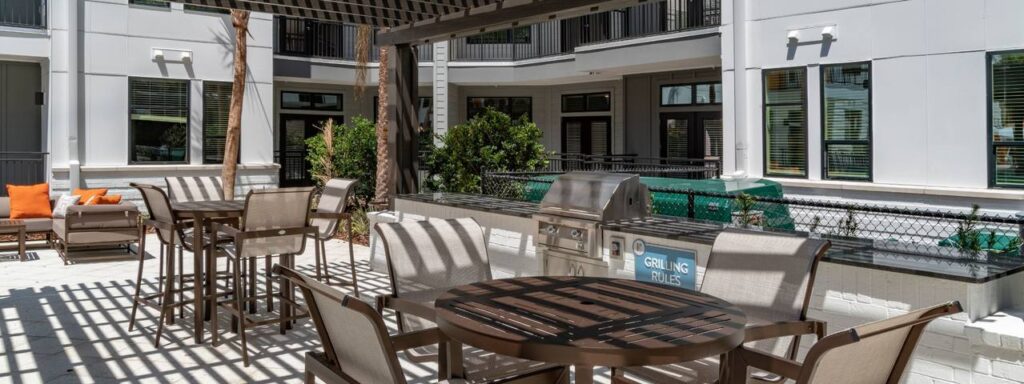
{"x": 690, "y": 206}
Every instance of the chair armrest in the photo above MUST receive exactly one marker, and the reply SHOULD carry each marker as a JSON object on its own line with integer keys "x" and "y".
{"x": 239, "y": 234}
{"x": 783, "y": 329}
{"x": 405, "y": 306}
{"x": 102, "y": 208}
{"x": 767, "y": 362}
{"x": 421, "y": 338}
{"x": 218, "y": 227}
{"x": 329, "y": 215}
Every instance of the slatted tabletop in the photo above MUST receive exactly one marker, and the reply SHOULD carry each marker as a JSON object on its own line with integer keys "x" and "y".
{"x": 213, "y": 208}
{"x": 590, "y": 321}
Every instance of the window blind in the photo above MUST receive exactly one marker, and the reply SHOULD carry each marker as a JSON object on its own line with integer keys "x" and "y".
{"x": 1006, "y": 70}
{"x": 785, "y": 122}
{"x": 216, "y": 107}
{"x": 158, "y": 114}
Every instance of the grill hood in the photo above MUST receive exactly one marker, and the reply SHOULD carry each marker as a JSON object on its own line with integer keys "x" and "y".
{"x": 597, "y": 196}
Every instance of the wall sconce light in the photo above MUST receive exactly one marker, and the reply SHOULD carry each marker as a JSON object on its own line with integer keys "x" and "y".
{"x": 158, "y": 54}
{"x": 186, "y": 57}
{"x": 793, "y": 36}
{"x": 828, "y": 33}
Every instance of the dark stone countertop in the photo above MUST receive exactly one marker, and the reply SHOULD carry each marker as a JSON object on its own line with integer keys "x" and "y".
{"x": 915, "y": 259}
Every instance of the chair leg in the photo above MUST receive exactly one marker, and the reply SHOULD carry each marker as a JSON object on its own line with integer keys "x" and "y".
{"x": 215, "y": 309}
{"x": 352, "y": 258}
{"x": 138, "y": 286}
{"x": 327, "y": 267}
{"x": 253, "y": 307}
{"x": 240, "y": 308}
{"x": 269, "y": 284}
{"x": 160, "y": 264}
{"x": 181, "y": 280}
{"x": 283, "y": 286}
{"x": 310, "y": 378}
{"x": 316, "y": 249}
{"x": 166, "y": 303}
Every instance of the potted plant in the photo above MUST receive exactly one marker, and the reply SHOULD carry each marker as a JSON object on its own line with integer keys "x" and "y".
{"x": 745, "y": 216}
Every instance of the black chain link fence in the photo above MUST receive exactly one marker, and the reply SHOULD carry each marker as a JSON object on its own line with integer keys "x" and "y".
{"x": 922, "y": 231}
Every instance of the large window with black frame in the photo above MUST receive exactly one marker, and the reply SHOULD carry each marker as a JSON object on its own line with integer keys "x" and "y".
{"x": 158, "y": 116}
{"x": 846, "y": 121}
{"x": 1006, "y": 118}
{"x": 785, "y": 122}
{"x": 587, "y": 124}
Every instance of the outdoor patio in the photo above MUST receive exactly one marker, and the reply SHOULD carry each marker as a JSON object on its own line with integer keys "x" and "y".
{"x": 69, "y": 324}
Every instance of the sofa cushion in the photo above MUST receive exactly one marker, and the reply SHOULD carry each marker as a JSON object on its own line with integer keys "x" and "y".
{"x": 32, "y": 225}
{"x": 124, "y": 215}
{"x": 105, "y": 200}
{"x": 5, "y": 207}
{"x": 29, "y": 201}
{"x": 88, "y": 194}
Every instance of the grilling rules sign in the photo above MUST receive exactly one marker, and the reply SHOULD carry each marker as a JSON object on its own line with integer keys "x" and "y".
{"x": 662, "y": 265}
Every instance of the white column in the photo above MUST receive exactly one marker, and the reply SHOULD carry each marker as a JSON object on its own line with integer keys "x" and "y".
{"x": 440, "y": 87}
{"x": 74, "y": 110}
{"x": 195, "y": 129}
{"x": 734, "y": 78}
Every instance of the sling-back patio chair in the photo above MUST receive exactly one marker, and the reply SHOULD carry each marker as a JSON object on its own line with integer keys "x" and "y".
{"x": 427, "y": 258}
{"x": 275, "y": 223}
{"x": 873, "y": 353}
{"x": 171, "y": 232}
{"x": 195, "y": 188}
{"x": 770, "y": 277}
{"x": 357, "y": 347}
{"x": 329, "y": 213}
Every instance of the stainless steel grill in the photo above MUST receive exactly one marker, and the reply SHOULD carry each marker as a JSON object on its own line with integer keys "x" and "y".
{"x": 572, "y": 212}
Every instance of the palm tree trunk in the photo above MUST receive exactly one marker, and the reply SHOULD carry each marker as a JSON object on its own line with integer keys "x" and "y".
{"x": 381, "y": 198}
{"x": 240, "y": 20}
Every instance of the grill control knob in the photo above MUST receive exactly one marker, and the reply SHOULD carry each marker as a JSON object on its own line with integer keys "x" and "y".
{"x": 579, "y": 245}
{"x": 576, "y": 233}
{"x": 551, "y": 229}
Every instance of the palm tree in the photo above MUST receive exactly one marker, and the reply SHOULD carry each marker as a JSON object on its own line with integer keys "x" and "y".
{"x": 240, "y": 20}
{"x": 364, "y": 38}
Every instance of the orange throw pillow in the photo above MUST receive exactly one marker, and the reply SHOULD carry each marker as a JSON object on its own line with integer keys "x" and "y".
{"x": 104, "y": 200}
{"x": 88, "y": 194}
{"x": 30, "y": 201}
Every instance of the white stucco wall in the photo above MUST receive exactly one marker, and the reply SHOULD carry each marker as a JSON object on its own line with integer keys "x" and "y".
{"x": 928, "y": 78}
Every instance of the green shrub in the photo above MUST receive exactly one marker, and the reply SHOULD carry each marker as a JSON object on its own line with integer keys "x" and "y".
{"x": 491, "y": 142}
{"x": 354, "y": 156}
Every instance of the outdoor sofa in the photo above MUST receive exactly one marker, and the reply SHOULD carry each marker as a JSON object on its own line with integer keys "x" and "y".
{"x": 85, "y": 226}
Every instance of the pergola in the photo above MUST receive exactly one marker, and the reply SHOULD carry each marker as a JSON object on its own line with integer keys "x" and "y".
{"x": 405, "y": 23}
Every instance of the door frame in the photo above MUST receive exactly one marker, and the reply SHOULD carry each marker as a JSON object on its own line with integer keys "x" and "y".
{"x": 310, "y": 120}
{"x": 695, "y": 131}
{"x": 585, "y": 140}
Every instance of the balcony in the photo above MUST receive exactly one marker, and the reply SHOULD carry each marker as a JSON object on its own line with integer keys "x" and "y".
{"x": 23, "y": 13}
{"x": 564, "y": 36}
{"x": 318, "y": 39}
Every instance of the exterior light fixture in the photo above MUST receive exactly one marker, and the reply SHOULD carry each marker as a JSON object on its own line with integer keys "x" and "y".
{"x": 793, "y": 36}
{"x": 828, "y": 33}
{"x": 158, "y": 54}
{"x": 186, "y": 56}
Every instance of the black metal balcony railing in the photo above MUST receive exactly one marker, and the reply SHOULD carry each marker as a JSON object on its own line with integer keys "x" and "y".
{"x": 23, "y": 13}
{"x": 564, "y": 36}
{"x": 21, "y": 168}
{"x": 311, "y": 38}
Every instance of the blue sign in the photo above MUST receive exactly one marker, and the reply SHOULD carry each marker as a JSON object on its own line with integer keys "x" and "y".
{"x": 662, "y": 265}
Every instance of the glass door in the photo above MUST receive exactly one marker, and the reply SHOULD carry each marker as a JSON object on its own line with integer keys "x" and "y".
{"x": 691, "y": 135}
{"x": 589, "y": 135}
{"x": 295, "y": 129}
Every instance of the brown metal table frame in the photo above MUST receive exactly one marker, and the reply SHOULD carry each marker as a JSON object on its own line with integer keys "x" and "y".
{"x": 20, "y": 225}
{"x": 199, "y": 212}
{"x": 545, "y": 319}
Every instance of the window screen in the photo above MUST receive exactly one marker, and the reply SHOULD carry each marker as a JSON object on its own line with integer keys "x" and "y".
{"x": 785, "y": 122}
{"x": 846, "y": 120}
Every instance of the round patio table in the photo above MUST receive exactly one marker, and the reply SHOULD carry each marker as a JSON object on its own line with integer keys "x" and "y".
{"x": 199, "y": 212}
{"x": 590, "y": 321}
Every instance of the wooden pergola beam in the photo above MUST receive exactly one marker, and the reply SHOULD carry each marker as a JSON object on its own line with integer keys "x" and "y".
{"x": 324, "y": 10}
{"x": 496, "y": 16}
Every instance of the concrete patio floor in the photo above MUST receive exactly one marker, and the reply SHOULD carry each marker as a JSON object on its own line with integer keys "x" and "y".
{"x": 69, "y": 324}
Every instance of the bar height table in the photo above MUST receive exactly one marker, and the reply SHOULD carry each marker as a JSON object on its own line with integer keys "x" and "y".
{"x": 590, "y": 321}
{"x": 200, "y": 212}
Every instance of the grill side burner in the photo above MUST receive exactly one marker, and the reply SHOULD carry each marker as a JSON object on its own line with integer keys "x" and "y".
{"x": 571, "y": 214}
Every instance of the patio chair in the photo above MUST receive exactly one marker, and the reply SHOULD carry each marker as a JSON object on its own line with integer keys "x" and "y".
{"x": 195, "y": 188}
{"x": 329, "y": 212}
{"x": 770, "y": 277}
{"x": 275, "y": 222}
{"x": 427, "y": 258}
{"x": 357, "y": 347}
{"x": 872, "y": 353}
{"x": 171, "y": 232}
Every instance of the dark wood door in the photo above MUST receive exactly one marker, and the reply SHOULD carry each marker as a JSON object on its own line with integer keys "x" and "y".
{"x": 589, "y": 135}
{"x": 294, "y": 130}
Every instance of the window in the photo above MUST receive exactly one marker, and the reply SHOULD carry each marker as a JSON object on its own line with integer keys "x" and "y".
{"x": 312, "y": 101}
{"x": 689, "y": 94}
{"x": 846, "y": 121}
{"x": 785, "y": 122}
{"x": 1006, "y": 118}
{"x": 216, "y": 104}
{"x": 158, "y": 114}
{"x": 515, "y": 107}
{"x": 152, "y": 3}
{"x": 520, "y": 35}
{"x": 593, "y": 102}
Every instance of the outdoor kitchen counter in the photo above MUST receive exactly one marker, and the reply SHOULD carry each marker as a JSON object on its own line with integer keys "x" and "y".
{"x": 865, "y": 254}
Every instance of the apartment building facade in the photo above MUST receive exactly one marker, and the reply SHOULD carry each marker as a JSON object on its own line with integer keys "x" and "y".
{"x": 916, "y": 101}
